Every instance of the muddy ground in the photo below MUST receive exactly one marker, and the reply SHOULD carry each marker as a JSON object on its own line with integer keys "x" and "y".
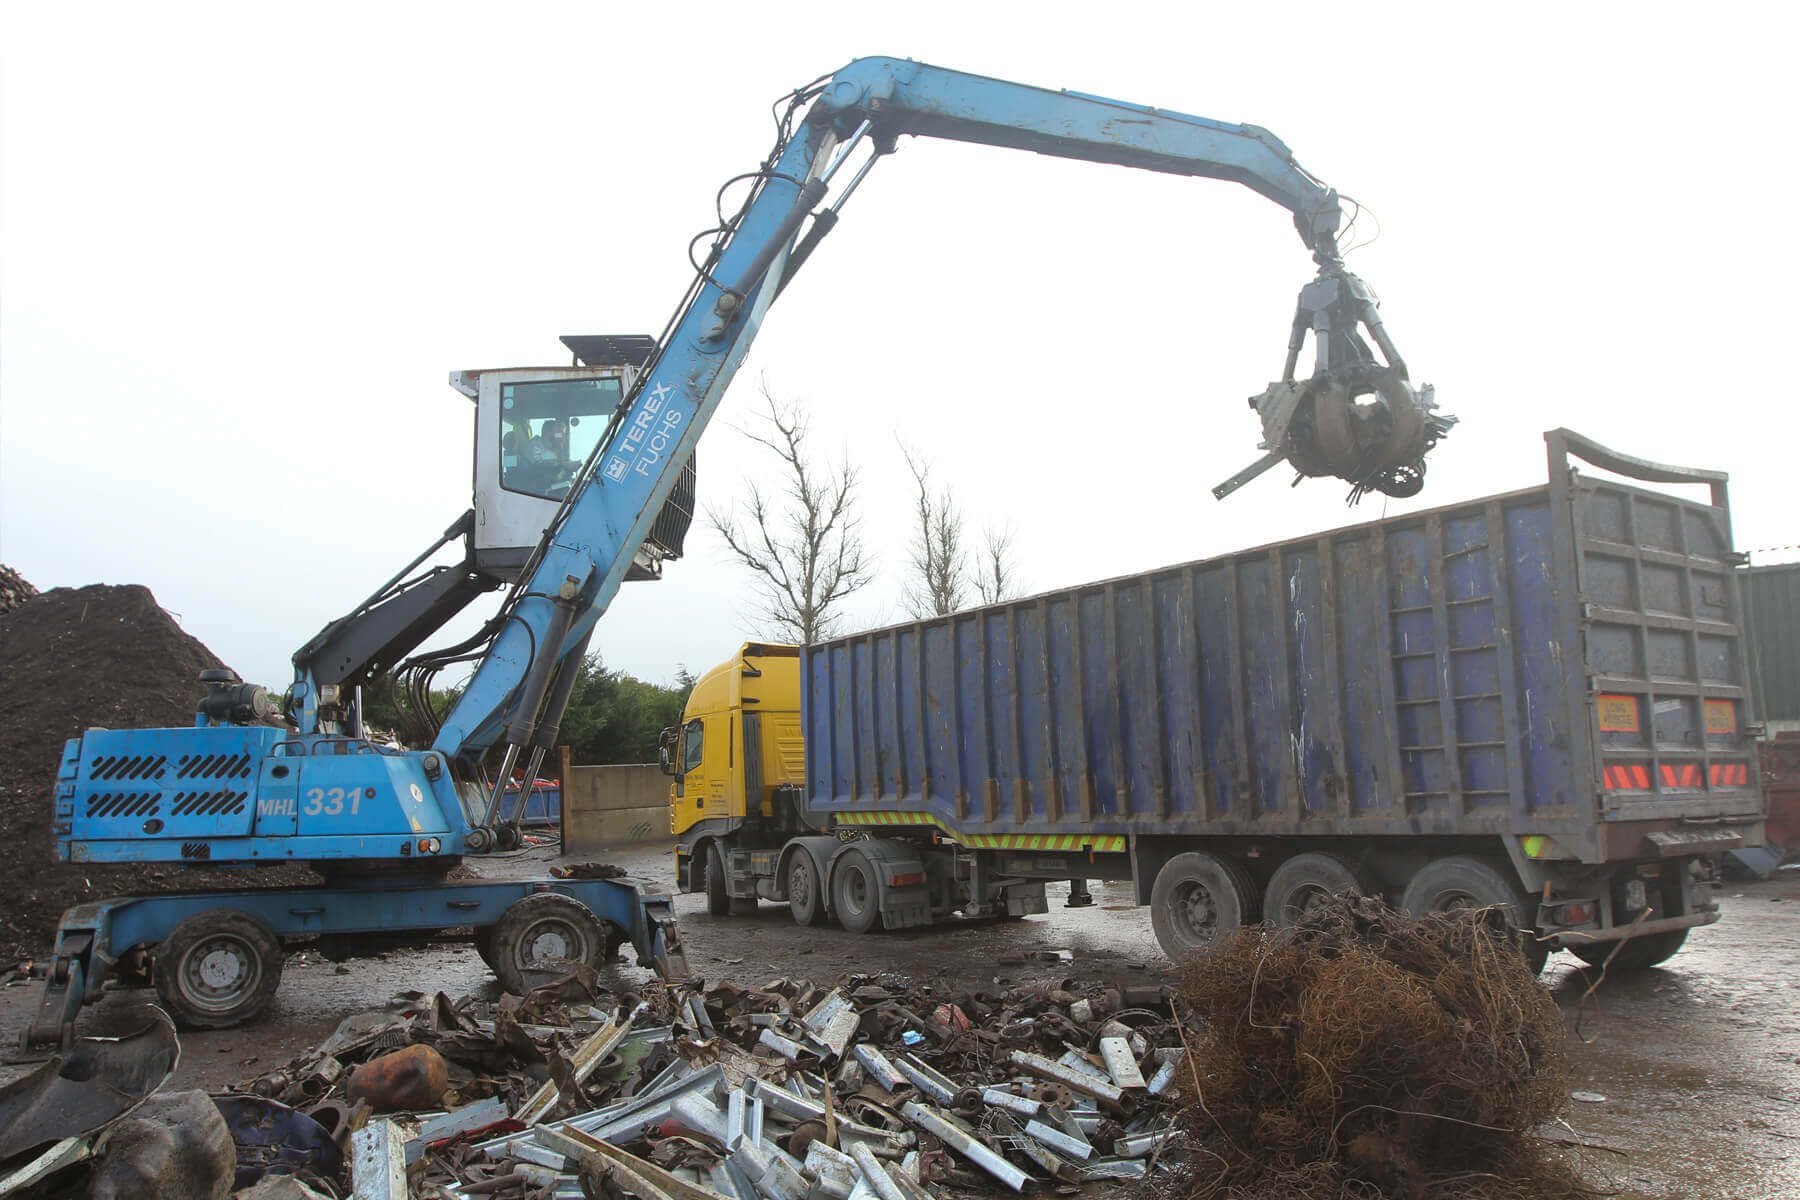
{"x": 1698, "y": 1062}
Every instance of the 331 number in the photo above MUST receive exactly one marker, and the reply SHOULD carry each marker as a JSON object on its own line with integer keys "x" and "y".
{"x": 330, "y": 801}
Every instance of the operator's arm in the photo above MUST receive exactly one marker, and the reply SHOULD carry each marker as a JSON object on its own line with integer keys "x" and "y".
{"x": 588, "y": 547}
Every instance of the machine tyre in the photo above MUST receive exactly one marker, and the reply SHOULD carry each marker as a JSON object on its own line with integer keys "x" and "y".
{"x": 1306, "y": 880}
{"x": 718, "y": 895}
{"x": 805, "y": 899}
{"x": 1446, "y": 885}
{"x": 543, "y": 929}
{"x": 217, "y": 969}
{"x": 484, "y": 944}
{"x": 855, "y": 894}
{"x": 1198, "y": 899}
{"x": 1639, "y": 954}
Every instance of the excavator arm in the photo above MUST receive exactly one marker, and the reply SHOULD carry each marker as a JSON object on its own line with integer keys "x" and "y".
{"x": 1321, "y": 424}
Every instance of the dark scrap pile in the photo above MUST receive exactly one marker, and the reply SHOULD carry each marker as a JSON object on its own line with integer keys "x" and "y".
{"x": 15, "y": 589}
{"x": 1364, "y": 1053}
{"x": 874, "y": 1089}
{"x": 73, "y": 659}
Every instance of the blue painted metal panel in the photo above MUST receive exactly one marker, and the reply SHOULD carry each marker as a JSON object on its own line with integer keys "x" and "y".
{"x": 1431, "y": 673}
{"x": 229, "y": 794}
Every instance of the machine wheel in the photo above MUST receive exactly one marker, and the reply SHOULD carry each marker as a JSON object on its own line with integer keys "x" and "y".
{"x": 718, "y": 895}
{"x": 542, "y": 930}
{"x": 855, "y": 895}
{"x": 1639, "y": 954}
{"x": 1454, "y": 884}
{"x": 1307, "y": 880}
{"x": 1198, "y": 899}
{"x": 484, "y": 944}
{"x": 805, "y": 899}
{"x": 217, "y": 969}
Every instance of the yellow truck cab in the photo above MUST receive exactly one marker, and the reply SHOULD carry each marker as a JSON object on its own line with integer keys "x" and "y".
{"x": 737, "y": 761}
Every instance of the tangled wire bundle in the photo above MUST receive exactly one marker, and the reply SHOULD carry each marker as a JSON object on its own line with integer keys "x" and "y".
{"x": 1365, "y": 1053}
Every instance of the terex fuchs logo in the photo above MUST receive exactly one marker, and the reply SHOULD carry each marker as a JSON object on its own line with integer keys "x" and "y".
{"x": 647, "y": 437}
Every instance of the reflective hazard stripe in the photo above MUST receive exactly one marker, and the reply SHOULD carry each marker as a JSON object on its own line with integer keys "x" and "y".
{"x": 1730, "y": 774}
{"x": 1628, "y": 777}
{"x": 1099, "y": 843}
{"x": 1681, "y": 775}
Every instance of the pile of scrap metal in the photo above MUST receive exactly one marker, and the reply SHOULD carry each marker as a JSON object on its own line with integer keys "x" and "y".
{"x": 876, "y": 1088}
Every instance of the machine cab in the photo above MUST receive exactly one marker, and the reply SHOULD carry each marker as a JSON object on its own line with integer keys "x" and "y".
{"x": 534, "y": 428}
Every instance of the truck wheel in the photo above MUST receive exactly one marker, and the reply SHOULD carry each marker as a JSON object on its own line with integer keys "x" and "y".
{"x": 217, "y": 969}
{"x": 542, "y": 930}
{"x": 1307, "y": 880}
{"x": 1639, "y": 954}
{"x": 855, "y": 896}
{"x": 1454, "y": 884}
{"x": 718, "y": 896}
{"x": 805, "y": 900}
{"x": 1198, "y": 899}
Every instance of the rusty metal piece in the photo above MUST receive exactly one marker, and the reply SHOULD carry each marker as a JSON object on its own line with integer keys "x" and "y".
{"x": 1078, "y": 1081}
{"x": 413, "y": 1078}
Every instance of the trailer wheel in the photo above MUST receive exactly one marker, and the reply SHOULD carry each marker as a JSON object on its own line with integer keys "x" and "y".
{"x": 1307, "y": 880}
{"x": 542, "y": 930}
{"x": 1639, "y": 954}
{"x": 217, "y": 969}
{"x": 1447, "y": 885}
{"x": 1198, "y": 899}
{"x": 805, "y": 900}
{"x": 855, "y": 895}
{"x": 718, "y": 895}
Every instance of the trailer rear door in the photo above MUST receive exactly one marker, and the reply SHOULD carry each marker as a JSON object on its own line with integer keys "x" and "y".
{"x": 1667, "y": 685}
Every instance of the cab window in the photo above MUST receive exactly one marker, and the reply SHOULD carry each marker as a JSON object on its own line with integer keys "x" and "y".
{"x": 548, "y": 429}
{"x": 691, "y": 740}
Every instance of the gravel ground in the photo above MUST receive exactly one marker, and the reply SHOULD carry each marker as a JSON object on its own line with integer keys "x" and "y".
{"x": 1698, "y": 1062}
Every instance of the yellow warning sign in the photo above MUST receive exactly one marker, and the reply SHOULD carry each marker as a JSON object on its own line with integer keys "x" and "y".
{"x": 1618, "y": 714}
{"x": 1721, "y": 716}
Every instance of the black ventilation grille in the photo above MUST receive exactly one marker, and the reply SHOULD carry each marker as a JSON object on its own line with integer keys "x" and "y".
{"x": 213, "y": 766}
{"x": 127, "y": 766}
{"x": 670, "y": 528}
{"x": 208, "y": 804}
{"x": 122, "y": 804}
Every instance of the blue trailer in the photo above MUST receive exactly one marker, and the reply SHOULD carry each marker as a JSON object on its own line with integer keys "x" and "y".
{"x": 1538, "y": 699}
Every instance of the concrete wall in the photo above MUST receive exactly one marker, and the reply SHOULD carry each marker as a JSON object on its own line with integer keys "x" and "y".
{"x": 613, "y": 806}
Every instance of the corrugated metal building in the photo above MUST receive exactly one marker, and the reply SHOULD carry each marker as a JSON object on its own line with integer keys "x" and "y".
{"x": 1772, "y": 602}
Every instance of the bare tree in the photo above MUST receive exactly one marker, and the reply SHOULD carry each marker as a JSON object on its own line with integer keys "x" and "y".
{"x": 996, "y": 579}
{"x": 803, "y": 543}
{"x": 943, "y": 567}
{"x": 936, "y": 582}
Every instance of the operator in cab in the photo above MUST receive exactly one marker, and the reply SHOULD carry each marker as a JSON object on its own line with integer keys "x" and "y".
{"x": 550, "y": 448}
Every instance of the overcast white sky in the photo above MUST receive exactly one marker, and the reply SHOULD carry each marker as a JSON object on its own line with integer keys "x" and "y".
{"x": 241, "y": 247}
